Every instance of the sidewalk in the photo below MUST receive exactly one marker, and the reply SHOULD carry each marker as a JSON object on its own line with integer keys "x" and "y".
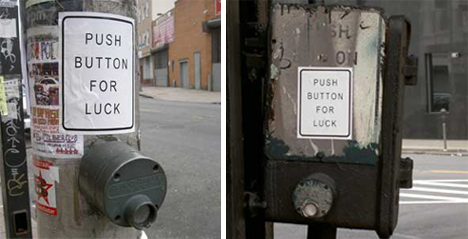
{"x": 181, "y": 94}
{"x": 423, "y": 146}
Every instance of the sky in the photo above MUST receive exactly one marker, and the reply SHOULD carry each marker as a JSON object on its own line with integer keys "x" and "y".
{"x": 161, "y": 6}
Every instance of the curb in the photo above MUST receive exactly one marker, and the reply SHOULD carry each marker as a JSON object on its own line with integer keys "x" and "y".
{"x": 459, "y": 153}
{"x": 146, "y": 96}
{"x": 198, "y": 102}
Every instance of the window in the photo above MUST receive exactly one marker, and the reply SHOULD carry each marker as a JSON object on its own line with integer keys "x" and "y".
{"x": 441, "y": 4}
{"x": 147, "y": 69}
{"x": 442, "y": 17}
{"x": 144, "y": 39}
{"x": 462, "y": 14}
{"x": 147, "y": 38}
{"x": 216, "y": 45}
{"x": 147, "y": 9}
{"x": 161, "y": 59}
{"x": 439, "y": 91}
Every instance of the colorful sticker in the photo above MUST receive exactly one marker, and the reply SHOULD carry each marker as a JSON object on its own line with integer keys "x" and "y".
{"x": 45, "y": 137}
{"x": 12, "y": 94}
{"x": 46, "y": 175}
{"x": 3, "y": 104}
{"x": 44, "y": 84}
{"x": 8, "y": 28}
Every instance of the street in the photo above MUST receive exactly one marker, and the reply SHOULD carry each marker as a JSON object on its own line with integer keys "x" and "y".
{"x": 436, "y": 207}
{"x": 185, "y": 138}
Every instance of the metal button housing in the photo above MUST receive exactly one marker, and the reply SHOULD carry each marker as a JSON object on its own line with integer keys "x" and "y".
{"x": 122, "y": 184}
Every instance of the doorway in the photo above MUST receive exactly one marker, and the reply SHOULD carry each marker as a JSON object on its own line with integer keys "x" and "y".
{"x": 184, "y": 74}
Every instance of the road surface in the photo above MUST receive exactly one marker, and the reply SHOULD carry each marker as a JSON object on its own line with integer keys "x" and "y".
{"x": 185, "y": 138}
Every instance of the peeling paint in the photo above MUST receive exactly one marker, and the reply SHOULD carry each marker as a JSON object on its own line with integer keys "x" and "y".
{"x": 361, "y": 44}
{"x": 316, "y": 149}
{"x": 298, "y": 31}
{"x": 352, "y": 153}
{"x": 332, "y": 147}
{"x": 294, "y": 107}
{"x": 277, "y": 54}
{"x": 273, "y": 71}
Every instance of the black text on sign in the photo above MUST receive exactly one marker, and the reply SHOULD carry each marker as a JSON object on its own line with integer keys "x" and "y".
{"x": 325, "y": 100}
{"x": 97, "y": 72}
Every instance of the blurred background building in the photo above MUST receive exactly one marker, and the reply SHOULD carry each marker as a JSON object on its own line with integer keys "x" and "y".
{"x": 181, "y": 46}
{"x": 145, "y": 39}
{"x": 439, "y": 39}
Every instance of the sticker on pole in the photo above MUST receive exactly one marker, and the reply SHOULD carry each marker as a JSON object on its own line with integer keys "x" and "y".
{"x": 325, "y": 96}
{"x": 97, "y": 73}
{"x": 46, "y": 175}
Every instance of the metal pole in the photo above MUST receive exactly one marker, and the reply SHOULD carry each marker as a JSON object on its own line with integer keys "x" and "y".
{"x": 13, "y": 166}
{"x": 321, "y": 231}
{"x": 445, "y": 135}
{"x": 74, "y": 217}
{"x": 444, "y": 127}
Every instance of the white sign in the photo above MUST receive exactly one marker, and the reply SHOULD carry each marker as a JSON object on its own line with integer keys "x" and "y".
{"x": 325, "y": 103}
{"x": 97, "y": 72}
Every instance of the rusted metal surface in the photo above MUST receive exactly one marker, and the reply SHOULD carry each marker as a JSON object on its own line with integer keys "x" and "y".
{"x": 398, "y": 35}
{"x": 314, "y": 196}
{"x": 275, "y": 160}
{"x": 332, "y": 36}
{"x": 253, "y": 19}
{"x": 365, "y": 169}
{"x": 355, "y": 203}
{"x": 235, "y": 212}
{"x": 406, "y": 173}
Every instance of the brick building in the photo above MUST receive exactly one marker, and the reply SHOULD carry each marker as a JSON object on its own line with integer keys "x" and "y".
{"x": 145, "y": 40}
{"x": 163, "y": 36}
{"x": 194, "y": 57}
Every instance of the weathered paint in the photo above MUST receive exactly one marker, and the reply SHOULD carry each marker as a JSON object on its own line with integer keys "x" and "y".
{"x": 332, "y": 36}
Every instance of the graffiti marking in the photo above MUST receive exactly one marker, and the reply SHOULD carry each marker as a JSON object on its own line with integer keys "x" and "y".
{"x": 15, "y": 185}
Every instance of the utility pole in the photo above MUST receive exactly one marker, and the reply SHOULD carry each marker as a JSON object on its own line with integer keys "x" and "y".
{"x": 14, "y": 166}
{"x": 68, "y": 205}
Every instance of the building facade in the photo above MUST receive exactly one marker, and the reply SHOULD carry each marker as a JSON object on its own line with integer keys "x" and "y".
{"x": 163, "y": 36}
{"x": 145, "y": 40}
{"x": 194, "y": 57}
{"x": 439, "y": 38}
